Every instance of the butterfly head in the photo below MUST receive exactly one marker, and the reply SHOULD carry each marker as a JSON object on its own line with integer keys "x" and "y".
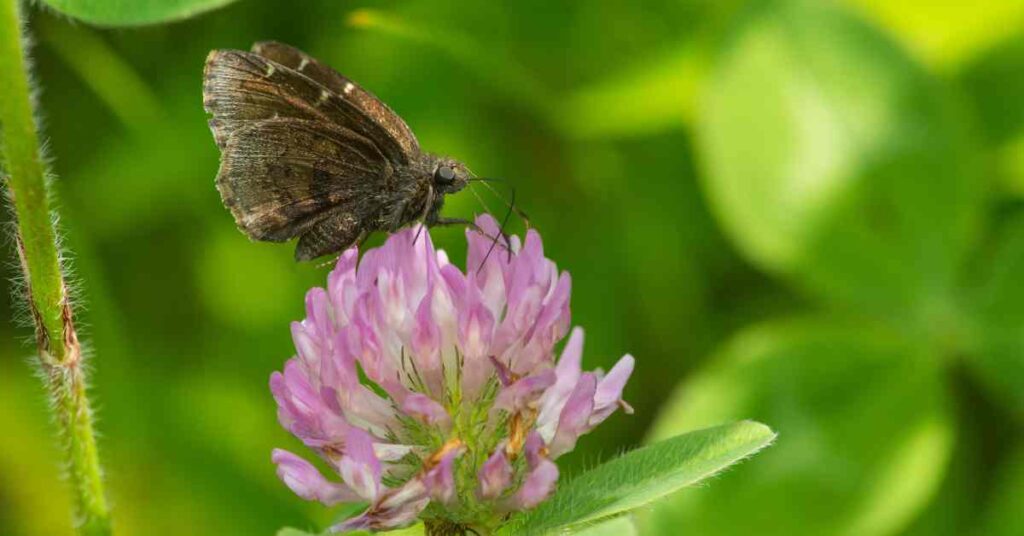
{"x": 450, "y": 176}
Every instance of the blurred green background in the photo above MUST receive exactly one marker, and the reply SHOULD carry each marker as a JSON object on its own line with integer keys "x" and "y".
{"x": 806, "y": 213}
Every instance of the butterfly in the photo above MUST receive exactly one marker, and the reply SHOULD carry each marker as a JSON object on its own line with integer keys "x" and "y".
{"x": 307, "y": 153}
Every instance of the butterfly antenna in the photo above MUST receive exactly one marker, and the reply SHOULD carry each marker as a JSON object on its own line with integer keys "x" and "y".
{"x": 479, "y": 199}
{"x": 501, "y": 233}
{"x": 508, "y": 244}
{"x": 510, "y": 203}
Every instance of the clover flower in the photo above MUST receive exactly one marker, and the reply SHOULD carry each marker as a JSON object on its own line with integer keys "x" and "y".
{"x": 433, "y": 393}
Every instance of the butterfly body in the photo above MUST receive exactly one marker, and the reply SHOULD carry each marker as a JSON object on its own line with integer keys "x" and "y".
{"x": 307, "y": 153}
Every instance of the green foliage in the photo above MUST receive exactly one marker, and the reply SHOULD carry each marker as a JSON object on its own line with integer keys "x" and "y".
{"x": 658, "y": 92}
{"x": 618, "y": 526}
{"x": 25, "y": 184}
{"x": 1002, "y": 515}
{"x": 598, "y": 112}
{"x": 656, "y": 97}
{"x": 998, "y": 324}
{"x": 856, "y": 182}
{"x": 835, "y": 161}
{"x": 503, "y": 75}
{"x": 863, "y": 425}
{"x": 133, "y": 12}
{"x": 415, "y": 530}
{"x": 288, "y": 531}
{"x": 952, "y": 32}
{"x": 58, "y": 351}
{"x": 120, "y": 88}
{"x": 644, "y": 475}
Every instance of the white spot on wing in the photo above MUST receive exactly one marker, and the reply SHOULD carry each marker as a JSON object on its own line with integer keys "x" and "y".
{"x": 349, "y": 86}
{"x": 303, "y": 63}
{"x": 270, "y": 69}
{"x": 324, "y": 95}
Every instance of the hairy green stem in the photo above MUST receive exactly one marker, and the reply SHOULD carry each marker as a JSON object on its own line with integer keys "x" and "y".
{"x": 59, "y": 352}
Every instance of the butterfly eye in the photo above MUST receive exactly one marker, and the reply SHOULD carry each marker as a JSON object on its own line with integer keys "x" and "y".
{"x": 444, "y": 175}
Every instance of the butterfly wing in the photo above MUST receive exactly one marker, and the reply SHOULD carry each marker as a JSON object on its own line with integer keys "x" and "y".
{"x": 337, "y": 231}
{"x": 282, "y": 177}
{"x": 297, "y": 157}
{"x": 242, "y": 87}
{"x": 373, "y": 107}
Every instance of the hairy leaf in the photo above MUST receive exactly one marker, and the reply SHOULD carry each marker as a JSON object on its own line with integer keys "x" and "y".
{"x": 646, "y": 474}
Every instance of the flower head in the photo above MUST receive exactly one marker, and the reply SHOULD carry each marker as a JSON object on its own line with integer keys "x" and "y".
{"x": 434, "y": 393}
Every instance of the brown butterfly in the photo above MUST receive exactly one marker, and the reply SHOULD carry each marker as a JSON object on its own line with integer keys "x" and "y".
{"x": 307, "y": 153}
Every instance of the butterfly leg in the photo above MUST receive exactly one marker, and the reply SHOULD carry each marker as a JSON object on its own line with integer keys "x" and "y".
{"x": 443, "y": 222}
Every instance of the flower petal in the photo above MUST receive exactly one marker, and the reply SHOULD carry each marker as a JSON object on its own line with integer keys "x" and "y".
{"x": 573, "y": 421}
{"x": 541, "y": 478}
{"x": 426, "y": 346}
{"x": 524, "y": 392}
{"x": 440, "y": 479}
{"x": 567, "y": 375}
{"x": 359, "y": 466}
{"x": 608, "y": 395}
{"x": 495, "y": 475}
{"x": 306, "y": 481}
{"x": 341, "y": 281}
{"x": 396, "y": 508}
{"x": 537, "y": 486}
{"x": 390, "y": 452}
{"x": 307, "y": 345}
{"x": 426, "y": 410}
{"x": 301, "y": 409}
{"x": 318, "y": 317}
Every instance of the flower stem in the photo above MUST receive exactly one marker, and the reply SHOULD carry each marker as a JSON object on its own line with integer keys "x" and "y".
{"x": 59, "y": 351}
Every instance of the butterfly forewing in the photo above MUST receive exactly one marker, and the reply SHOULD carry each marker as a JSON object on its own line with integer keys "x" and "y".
{"x": 280, "y": 177}
{"x": 242, "y": 87}
{"x": 334, "y": 81}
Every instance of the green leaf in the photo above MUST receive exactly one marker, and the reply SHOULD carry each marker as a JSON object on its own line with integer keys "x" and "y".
{"x": 648, "y": 99}
{"x": 99, "y": 66}
{"x": 979, "y": 459}
{"x": 288, "y": 531}
{"x": 618, "y": 526}
{"x": 1002, "y": 516}
{"x": 991, "y": 83}
{"x": 864, "y": 427}
{"x": 1010, "y": 167}
{"x": 644, "y": 475}
{"x": 503, "y": 74}
{"x": 952, "y": 32}
{"x": 833, "y": 159}
{"x": 414, "y": 530}
{"x": 653, "y": 92}
{"x": 133, "y": 12}
{"x": 998, "y": 317}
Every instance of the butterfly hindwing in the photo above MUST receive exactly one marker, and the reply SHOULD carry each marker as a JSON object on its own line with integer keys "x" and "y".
{"x": 280, "y": 177}
{"x": 335, "y": 232}
{"x": 375, "y": 108}
{"x": 241, "y": 88}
